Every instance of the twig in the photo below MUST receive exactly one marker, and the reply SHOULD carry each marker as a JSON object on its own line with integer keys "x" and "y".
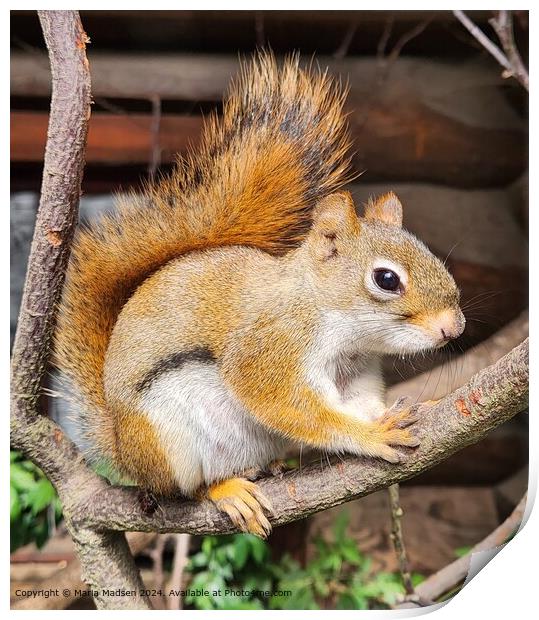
{"x": 344, "y": 46}
{"x": 503, "y": 27}
{"x": 478, "y": 34}
{"x": 386, "y": 62}
{"x": 181, "y": 555}
{"x": 156, "y": 555}
{"x": 406, "y": 38}
{"x": 398, "y": 541}
{"x": 386, "y": 33}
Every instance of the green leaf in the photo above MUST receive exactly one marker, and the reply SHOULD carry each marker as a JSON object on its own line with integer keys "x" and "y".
{"x": 351, "y": 553}
{"x": 259, "y": 549}
{"x": 385, "y": 587}
{"x": 348, "y": 600}
{"x": 31, "y": 467}
{"x": 241, "y": 550}
{"x": 417, "y": 578}
{"x": 21, "y": 479}
{"x": 14, "y": 504}
{"x": 41, "y": 531}
{"x": 339, "y": 528}
{"x": 207, "y": 544}
{"x": 198, "y": 560}
{"x": 40, "y": 496}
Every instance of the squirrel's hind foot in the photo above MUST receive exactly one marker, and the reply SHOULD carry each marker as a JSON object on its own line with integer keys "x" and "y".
{"x": 244, "y": 503}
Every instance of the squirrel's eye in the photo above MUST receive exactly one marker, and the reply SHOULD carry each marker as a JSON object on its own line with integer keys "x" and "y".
{"x": 386, "y": 279}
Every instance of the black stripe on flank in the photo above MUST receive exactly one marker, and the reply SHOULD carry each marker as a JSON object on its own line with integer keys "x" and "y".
{"x": 175, "y": 361}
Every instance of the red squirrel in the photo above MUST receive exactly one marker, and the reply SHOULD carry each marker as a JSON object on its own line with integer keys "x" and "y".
{"x": 240, "y": 306}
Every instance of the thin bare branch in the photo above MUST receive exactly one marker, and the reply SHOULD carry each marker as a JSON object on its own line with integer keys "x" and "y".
{"x": 349, "y": 35}
{"x": 480, "y": 36}
{"x": 508, "y": 58}
{"x": 398, "y": 541}
{"x": 503, "y": 26}
{"x": 181, "y": 555}
{"x": 406, "y": 38}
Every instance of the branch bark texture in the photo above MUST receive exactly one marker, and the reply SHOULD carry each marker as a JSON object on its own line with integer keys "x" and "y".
{"x": 58, "y": 207}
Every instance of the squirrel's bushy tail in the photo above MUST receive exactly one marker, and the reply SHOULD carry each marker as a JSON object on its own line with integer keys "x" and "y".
{"x": 279, "y": 147}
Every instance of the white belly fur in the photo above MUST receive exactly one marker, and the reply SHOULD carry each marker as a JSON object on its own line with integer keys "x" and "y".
{"x": 206, "y": 433}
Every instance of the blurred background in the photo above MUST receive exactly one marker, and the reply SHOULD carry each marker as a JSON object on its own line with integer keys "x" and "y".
{"x": 432, "y": 119}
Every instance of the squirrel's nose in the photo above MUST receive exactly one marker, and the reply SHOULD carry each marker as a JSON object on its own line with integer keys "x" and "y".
{"x": 449, "y": 334}
{"x": 452, "y": 325}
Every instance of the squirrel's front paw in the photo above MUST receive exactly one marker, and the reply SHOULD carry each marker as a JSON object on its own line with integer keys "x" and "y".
{"x": 394, "y": 429}
{"x": 244, "y": 503}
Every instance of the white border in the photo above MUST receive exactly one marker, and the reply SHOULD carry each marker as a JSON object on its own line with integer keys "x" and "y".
{"x": 507, "y": 585}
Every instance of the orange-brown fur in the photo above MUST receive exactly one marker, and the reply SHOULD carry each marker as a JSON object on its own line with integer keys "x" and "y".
{"x": 250, "y": 183}
{"x": 139, "y": 453}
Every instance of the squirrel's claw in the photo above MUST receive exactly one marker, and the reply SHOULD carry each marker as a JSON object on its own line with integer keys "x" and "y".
{"x": 394, "y": 430}
{"x": 244, "y": 503}
{"x": 277, "y": 467}
{"x": 400, "y": 415}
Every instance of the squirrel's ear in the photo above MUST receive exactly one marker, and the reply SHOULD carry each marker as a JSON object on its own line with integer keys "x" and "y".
{"x": 386, "y": 209}
{"x": 334, "y": 222}
{"x": 335, "y": 214}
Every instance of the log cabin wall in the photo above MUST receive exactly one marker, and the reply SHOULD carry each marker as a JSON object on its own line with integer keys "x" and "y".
{"x": 430, "y": 114}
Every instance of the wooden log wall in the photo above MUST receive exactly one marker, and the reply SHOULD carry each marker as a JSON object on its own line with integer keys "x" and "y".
{"x": 417, "y": 120}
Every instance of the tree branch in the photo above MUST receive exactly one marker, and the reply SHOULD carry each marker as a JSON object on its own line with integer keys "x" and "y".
{"x": 58, "y": 207}
{"x": 398, "y": 541}
{"x": 503, "y": 26}
{"x": 509, "y": 58}
{"x": 105, "y": 558}
{"x": 463, "y": 417}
